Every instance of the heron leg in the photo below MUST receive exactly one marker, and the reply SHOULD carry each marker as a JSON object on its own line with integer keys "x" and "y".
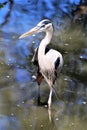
{"x": 50, "y": 99}
{"x": 38, "y": 95}
{"x": 39, "y": 80}
{"x": 55, "y": 92}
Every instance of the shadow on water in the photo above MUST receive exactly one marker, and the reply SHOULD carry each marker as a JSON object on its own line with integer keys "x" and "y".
{"x": 18, "y": 91}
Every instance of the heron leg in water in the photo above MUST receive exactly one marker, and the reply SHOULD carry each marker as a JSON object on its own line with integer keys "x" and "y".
{"x": 52, "y": 89}
{"x": 38, "y": 95}
{"x": 39, "y": 78}
{"x": 50, "y": 98}
{"x": 55, "y": 92}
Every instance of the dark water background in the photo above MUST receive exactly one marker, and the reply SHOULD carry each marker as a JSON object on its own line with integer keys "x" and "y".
{"x": 18, "y": 91}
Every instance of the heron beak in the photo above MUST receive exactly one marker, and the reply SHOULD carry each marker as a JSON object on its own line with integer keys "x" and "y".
{"x": 33, "y": 30}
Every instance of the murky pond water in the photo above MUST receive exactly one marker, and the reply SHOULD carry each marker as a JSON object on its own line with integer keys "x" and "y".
{"x": 18, "y": 91}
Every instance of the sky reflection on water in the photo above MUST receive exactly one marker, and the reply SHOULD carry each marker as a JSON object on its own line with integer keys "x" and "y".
{"x": 18, "y": 107}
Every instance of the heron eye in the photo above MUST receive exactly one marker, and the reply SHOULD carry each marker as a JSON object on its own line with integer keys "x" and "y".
{"x": 43, "y": 26}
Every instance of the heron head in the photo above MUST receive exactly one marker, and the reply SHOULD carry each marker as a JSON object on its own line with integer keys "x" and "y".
{"x": 43, "y": 26}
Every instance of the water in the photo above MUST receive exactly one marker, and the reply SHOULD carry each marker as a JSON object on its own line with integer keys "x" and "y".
{"x": 18, "y": 91}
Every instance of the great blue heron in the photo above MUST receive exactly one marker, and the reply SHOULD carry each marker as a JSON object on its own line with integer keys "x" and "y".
{"x": 50, "y": 62}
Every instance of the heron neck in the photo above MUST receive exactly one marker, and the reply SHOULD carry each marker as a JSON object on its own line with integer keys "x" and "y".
{"x": 45, "y": 42}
